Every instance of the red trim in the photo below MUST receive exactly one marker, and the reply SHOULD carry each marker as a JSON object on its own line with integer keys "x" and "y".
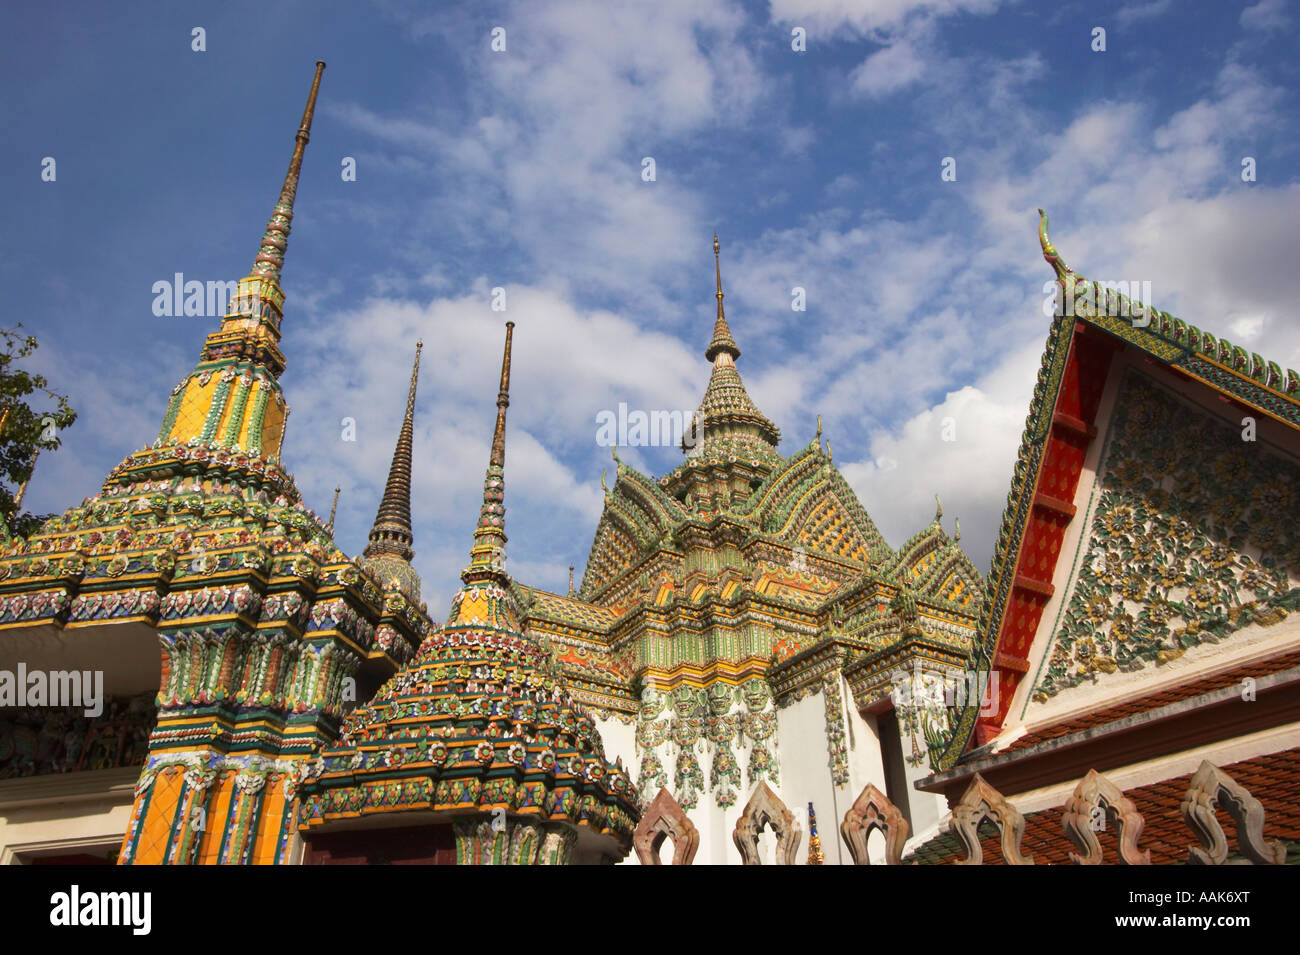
{"x": 1087, "y": 366}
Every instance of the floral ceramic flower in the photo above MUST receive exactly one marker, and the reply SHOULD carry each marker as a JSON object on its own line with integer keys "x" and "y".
{"x": 1172, "y": 574}
{"x": 1113, "y": 568}
{"x": 1203, "y": 596}
{"x": 1119, "y": 522}
{"x": 1160, "y": 611}
{"x": 1099, "y": 608}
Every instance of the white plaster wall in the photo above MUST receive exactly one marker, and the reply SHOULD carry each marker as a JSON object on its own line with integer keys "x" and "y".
{"x": 803, "y": 757}
{"x": 806, "y": 774}
{"x": 806, "y": 768}
{"x": 64, "y": 814}
{"x": 928, "y": 809}
{"x": 620, "y": 741}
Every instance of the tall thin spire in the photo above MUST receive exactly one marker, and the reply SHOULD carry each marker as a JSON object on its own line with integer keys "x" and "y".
{"x": 732, "y": 445}
{"x": 487, "y": 556}
{"x": 333, "y": 509}
{"x": 722, "y": 340}
{"x": 270, "y": 258}
{"x": 391, "y": 533}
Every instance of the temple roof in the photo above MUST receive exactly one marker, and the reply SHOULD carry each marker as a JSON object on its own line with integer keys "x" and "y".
{"x": 1164, "y": 831}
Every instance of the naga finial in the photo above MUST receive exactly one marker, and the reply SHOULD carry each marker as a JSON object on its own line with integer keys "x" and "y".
{"x": 603, "y": 486}
{"x": 819, "y": 429}
{"x": 830, "y": 455}
{"x": 956, "y": 524}
{"x": 1049, "y": 251}
{"x": 613, "y": 450}
{"x": 938, "y": 509}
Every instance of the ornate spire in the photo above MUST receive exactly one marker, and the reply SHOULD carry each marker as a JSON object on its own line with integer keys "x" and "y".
{"x": 731, "y": 445}
{"x": 391, "y": 533}
{"x": 270, "y": 257}
{"x": 487, "y": 556}
{"x": 232, "y": 400}
{"x": 722, "y": 340}
{"x": 389, "y": 552}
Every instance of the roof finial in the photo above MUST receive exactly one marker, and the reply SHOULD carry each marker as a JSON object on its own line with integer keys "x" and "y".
{"x": 830, "y": 455}
{"x": 391, "y": 533}
{"x": 1049, "y": 251}
{"x": 938, "y": 509}
{"x": 333, "y": 509}
{"x": 956, "y": 525}
{"x": 722, "y": 340}
{"x": 270, "y": 258}
{"x": 570, "y": 580}
{"x": 503, "y": 402}
{"x": 487, "y": 556}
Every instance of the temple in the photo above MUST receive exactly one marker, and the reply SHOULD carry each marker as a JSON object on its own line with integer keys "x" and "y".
{"x": 743, "y": 655}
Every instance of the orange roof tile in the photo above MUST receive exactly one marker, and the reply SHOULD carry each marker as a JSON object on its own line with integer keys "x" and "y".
{"x": 1273, "y": 779}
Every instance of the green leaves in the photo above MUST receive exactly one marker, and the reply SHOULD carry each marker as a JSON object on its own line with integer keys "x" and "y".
{"x": 25, "y": 429}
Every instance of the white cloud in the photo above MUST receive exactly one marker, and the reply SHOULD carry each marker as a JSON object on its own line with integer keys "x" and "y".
{"x": 1265, "y": 15}
{"x": 889, "y": 70}
{"x": 1143, "y": 11}
{"x": 854, "y": 16}
{"x": 972, "y": 473}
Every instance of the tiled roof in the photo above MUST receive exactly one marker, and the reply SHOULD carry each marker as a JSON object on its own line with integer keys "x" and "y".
{"x": 560, "y": 608}
{"x": 1273, "y": 779}
{"x": 1151, "y": 701}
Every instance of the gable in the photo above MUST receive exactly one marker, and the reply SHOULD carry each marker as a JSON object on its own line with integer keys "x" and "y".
{"x": 1193, "y": 534}
{"x": 1060, "y": 436}
{"x": 808, "y": 504}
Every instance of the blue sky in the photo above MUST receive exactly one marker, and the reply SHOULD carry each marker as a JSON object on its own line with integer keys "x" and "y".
{"x": 522, "y": 169}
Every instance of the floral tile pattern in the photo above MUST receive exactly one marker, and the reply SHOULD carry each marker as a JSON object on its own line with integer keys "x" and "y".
{"x": 1196, "y": 534}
